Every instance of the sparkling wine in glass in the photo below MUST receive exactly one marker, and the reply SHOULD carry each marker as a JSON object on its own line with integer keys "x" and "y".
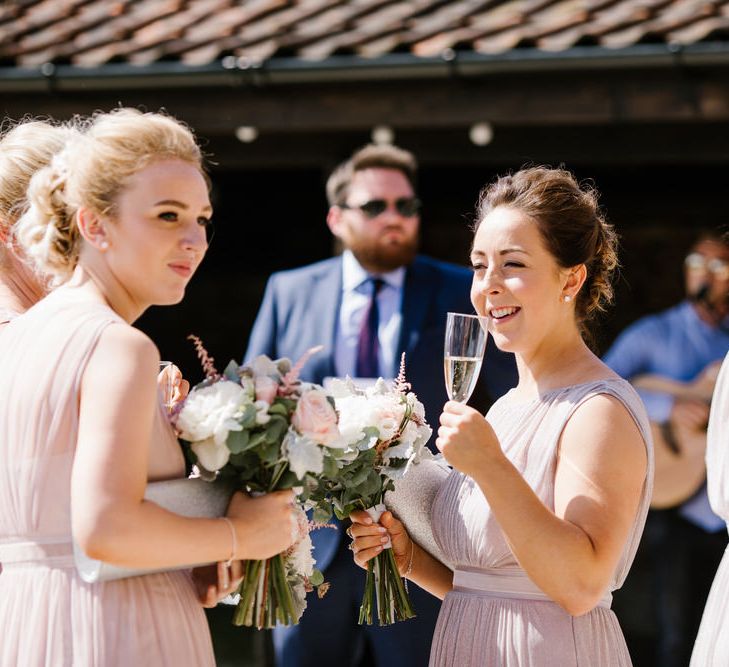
{"x": 465, "y": 342}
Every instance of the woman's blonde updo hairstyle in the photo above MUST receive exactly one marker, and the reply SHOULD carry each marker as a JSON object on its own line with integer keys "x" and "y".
{"x": 25, "y": 147}
{"x": 572, "y": 226}
{"x": 91, "y": 171}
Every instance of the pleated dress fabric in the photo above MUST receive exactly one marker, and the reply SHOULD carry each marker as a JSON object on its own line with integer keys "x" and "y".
{"x": 495, "y": 615}
{"x": 712, "y": 642}
{"x": 48, "y": 615}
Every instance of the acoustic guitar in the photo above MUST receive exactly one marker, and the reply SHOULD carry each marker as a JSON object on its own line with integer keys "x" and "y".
{"x": 679, "y": 448}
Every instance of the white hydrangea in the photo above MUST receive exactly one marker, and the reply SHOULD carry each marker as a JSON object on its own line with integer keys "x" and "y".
{"x": 212, "y": 412}
{"x": 303, "y": 455}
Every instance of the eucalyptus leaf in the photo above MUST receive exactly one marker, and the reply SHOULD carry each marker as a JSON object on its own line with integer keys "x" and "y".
{"x": 237, "y": 441}
{"x": 278, "y": 408}
{"x": 322, "y": 514}
{"x": 231, "y": 372}
{"x": 248, "y": 419}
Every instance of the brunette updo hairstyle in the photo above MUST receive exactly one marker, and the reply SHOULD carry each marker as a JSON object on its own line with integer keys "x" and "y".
{"x": 571, "y": 224}
{"x": 92, "y": 170}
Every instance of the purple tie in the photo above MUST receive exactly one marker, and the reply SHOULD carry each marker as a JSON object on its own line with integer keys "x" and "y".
{"x": 367, "y": 366}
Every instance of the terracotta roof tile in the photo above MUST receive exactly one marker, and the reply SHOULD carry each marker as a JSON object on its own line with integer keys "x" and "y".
{"x": 91, "y": 33}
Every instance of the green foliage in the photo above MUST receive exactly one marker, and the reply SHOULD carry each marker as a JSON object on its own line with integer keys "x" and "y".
{"x": 231, "y": 372}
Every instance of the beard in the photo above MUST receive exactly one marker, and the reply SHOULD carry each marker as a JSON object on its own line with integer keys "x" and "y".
{"x": 379, "y": 256}
{"x": 383, "y": 258}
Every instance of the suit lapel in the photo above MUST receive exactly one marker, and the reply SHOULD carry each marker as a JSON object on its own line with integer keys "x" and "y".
{"x": 328, "y": 291}
{"x": 417, "y": 295}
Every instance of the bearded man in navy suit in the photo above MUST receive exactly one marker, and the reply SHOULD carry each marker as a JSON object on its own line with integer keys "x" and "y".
{"x": 375, "y": 214}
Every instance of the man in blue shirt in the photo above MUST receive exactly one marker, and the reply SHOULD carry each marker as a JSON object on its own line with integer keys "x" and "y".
{"x": 672, "y": 359}
{"x": 374, "y": 213}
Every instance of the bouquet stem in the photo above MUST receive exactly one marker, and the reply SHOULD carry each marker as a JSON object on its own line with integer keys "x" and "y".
{"x": 266, "y": 598}
{"x": 385, "y": 586}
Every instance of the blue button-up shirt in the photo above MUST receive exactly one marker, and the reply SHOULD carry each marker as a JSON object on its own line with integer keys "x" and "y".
{"x": 356, "y": 294}
{"x": 676, "y": 344}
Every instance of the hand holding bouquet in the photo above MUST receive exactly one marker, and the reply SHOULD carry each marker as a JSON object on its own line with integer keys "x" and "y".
{"x": 384, "y": 431}
{"x": 260, "y": 429}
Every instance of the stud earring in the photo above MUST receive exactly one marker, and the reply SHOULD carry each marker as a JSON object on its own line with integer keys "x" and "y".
{"x": 567, "y": 298}
{"x": 104, "y": 245}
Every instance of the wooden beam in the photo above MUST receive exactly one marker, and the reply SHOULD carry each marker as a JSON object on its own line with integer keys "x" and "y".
{"x": 598, "y": 98}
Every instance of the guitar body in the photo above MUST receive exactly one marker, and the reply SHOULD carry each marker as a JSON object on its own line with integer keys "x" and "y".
{"x": 678, "y": 476}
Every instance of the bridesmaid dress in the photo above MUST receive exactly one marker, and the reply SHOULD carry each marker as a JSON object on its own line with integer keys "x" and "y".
{"x": 48, "y": 615}
{"x": 712, "y": 643}
{"x": 495, "y": 615}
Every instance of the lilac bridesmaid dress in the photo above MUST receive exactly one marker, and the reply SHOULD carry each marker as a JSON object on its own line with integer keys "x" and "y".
{"x": 495, "y": 615}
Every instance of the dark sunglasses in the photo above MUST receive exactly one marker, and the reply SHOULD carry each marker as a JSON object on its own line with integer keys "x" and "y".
{"x": 405, "y": 206}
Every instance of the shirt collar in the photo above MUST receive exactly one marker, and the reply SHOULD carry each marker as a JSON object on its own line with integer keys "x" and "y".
{"x": 353, "y": 275}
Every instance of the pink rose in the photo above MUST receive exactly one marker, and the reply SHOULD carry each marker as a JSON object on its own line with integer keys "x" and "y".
{"x": 266, "y": 389}
{"x": 315, "y": 418}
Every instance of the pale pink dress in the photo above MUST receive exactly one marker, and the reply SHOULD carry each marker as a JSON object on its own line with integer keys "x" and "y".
{"x": 712, "y": 643}
{"x": 495, "y": 615}
{"x": 48, "y": 615}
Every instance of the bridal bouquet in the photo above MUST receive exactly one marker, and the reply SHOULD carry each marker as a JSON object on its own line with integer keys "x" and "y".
{"x": 385, "y": 433}
{"x": 261, "y": 429}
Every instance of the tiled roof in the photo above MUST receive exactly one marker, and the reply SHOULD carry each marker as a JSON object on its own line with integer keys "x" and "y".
{"x": 92, "y": 33}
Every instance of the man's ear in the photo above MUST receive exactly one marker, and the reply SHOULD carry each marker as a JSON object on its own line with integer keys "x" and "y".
{"x": 334, "y": 220}
{"x": 92, "y": 228}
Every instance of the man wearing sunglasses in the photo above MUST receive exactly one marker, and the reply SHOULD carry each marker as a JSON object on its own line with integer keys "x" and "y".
{"x": 376, "y": 300}
{"x": 672, "y": 358}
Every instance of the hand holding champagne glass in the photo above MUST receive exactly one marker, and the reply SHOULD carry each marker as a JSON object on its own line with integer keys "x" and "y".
{"x": 465, "y": 343}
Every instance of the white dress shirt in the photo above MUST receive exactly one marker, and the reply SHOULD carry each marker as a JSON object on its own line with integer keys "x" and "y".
{"x": 356, "y": 294}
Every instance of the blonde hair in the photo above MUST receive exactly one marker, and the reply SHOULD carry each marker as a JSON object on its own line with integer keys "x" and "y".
{"x": 25, "y": 147}
{"x": 91, "y": 171}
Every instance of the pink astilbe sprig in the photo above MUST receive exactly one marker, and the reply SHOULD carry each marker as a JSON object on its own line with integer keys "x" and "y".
{"x": 401, "y": 384}
{"x": 290, "y": 381}
{"x": 211, "y": 373}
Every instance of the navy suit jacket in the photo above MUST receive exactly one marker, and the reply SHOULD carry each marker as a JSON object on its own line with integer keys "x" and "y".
{"x": 300, "y": 309}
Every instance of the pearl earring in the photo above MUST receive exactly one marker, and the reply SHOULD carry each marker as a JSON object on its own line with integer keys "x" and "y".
{"x": 104, "y": 245}
{"x": 567, "y": 298}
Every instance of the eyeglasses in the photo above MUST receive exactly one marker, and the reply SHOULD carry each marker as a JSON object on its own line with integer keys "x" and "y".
{"x": 405, "y": 206}
{"x": 697, "y": 263}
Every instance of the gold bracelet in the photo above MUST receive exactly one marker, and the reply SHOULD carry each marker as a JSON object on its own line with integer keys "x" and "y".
{"x": 234, "y": 542}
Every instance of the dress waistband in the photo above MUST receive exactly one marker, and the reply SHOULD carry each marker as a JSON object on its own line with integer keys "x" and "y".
{"x": 53, "y": 552}
{"x": 505, "y": 583}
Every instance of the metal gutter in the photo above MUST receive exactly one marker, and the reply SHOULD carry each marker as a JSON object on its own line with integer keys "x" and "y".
{"x": 236, "y": 72}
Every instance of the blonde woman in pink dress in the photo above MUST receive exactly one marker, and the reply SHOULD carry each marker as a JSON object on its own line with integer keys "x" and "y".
{"x": 24, "y": 149}
{"x": 119, "y": 220}
{"x": 544, "y": 509}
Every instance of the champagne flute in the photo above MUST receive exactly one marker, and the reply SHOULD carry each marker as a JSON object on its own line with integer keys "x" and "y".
{"x": 165, "y": 381}
{"x": 465, "y": 343}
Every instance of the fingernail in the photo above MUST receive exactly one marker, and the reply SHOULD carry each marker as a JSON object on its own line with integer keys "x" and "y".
{"x": 384, "y": 539}
{"x": 368, "y": 521}
{"x": 382, "y": 530}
